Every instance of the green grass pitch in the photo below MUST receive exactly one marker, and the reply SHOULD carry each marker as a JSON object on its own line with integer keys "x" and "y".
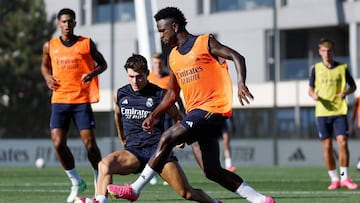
{"x": 286, "y": 184}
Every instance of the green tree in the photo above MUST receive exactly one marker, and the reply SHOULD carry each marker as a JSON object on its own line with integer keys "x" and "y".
{"x": 24, "y": 96}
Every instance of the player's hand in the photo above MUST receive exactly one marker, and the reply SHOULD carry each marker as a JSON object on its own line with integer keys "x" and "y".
{"x": 244, "y": 94}
{"x": 148, "y": 124}
{"x": 86, "y": 78}
{"x": 342, "y": 95}
{"x": 52, "y": 82}
{"x": 315, "y": 95}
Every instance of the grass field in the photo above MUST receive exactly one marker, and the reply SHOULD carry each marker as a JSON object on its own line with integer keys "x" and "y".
{"x": 295, "y": 185}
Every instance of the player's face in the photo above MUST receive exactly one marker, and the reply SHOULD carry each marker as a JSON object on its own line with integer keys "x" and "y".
{"x": 137, "y": 80}
{"x": 167, "y": 30}
{"x": 326, "y": 53}
{"x": 66, "y": 24}
{"x": 157, "y": 65}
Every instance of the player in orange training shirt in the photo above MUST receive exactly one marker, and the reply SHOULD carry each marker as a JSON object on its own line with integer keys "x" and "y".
{"x": 70, "y": 72}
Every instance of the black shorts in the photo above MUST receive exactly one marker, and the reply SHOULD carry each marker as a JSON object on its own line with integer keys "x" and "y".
{"x": 144, "y": 154}
{"x": 203, "y": 126}
{"x": 81, "y": 114}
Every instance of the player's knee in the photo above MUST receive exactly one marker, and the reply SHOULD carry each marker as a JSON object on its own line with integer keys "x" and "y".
{"x": 103, "y": 167}
{"x": 212, "y": 174}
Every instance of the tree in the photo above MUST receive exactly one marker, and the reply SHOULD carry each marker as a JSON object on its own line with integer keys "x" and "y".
{"x": 24, "y": 96}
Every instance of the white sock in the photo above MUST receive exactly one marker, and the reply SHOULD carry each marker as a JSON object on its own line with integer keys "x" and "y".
{"x": 96, "y": 174}
{"x": 333, "y": 175}
{"x": 143, "y": 179}
{"x": 344, "y": 172}
{"x": 249, "y": 193}
{"x": 228, "y": 162}
{"x": 74, "y": 176}
{"x": 101, "y": 198}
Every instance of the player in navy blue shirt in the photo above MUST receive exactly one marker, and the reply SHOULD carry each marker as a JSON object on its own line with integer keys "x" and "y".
{"x": 134, "y": 102}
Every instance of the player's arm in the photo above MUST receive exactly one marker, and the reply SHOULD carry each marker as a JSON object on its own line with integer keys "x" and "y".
{"x": 46, "y": 68}
{"x": 100, "y": 61}
{"x": 169, "y": 99}
{"x": 351, "y": 85}
{"x": 219, "y": 50}
{"x": 118, "y": 122}
{"x": 312, "y": 92}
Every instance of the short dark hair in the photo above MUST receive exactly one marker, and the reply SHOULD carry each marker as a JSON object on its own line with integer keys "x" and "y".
{"x": 66, "y": 11}
{"x": 171, "y": 12}
{"x": 137, "y": 62}
{"x": 327, "y": 43}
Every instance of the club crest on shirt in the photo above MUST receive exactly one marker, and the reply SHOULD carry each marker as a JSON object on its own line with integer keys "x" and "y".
{"x": 149, "y": 102}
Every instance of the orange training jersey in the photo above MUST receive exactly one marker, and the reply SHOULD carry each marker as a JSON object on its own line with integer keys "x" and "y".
{"x": 162, "y": 82}
{"x": 205, "y": 83}
{"x": 69, "y": 64}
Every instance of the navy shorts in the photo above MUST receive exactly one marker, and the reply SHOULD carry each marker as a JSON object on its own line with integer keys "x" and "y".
{"x": 81, "y": 114}
{"x": 203, "y": 126}
{"x": 332, "y": 125}
{"x": 145, "y": 153}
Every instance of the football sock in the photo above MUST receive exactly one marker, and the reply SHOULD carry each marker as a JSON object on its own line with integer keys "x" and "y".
{"x": 96, "y": 174}
{"x": 249, "y": 193}
{"x": 74, "y": 176}
{"x": 101, "y": 198}
{"x": 333, "y": 175}
{"x": 143, "y": 179}
{"x": 228, "y": 162}
{"x": 343, "y": 172}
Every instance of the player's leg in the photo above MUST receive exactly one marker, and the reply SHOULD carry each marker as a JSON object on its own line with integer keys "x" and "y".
{"x": 175, "y": 176}
{"x": 227, "y": 150}
{"x": 85, "y": 122}
{"x": 59, "y": 124}
{"x": 159, "y": 156}
{"x": 120, "y": 162}
{"x": 325, "y": 128}
{"x": 211, "y": 128}
{"x": 341, "y": 130}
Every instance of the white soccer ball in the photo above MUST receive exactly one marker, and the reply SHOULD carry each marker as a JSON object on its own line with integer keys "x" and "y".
{"x": 40, "y": 163}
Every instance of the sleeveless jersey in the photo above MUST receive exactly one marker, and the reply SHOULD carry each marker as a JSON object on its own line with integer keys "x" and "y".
{"x": 69, "y": 64}
{"x": 328, "y": 83}
{"x": 162, "y": 82}
{"x": 205, "y": 83}
{"x": 135, "y": 107}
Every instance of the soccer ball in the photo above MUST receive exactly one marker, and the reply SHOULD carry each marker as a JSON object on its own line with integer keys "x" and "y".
{"x": 40, "y": 163}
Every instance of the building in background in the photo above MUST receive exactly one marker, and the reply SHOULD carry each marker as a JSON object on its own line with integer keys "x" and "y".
{"x": 248, "y": 27}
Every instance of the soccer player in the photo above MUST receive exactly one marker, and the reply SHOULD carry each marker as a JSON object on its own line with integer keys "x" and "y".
{"x": 330, "y": 83}
{"x": 69, "y": 70}
{"x": 198, "y": 69}
{"x": 134, "y": 102}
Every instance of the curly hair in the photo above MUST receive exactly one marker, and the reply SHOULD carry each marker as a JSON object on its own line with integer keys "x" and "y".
{"x": 136, "y": 62}
{"x": 171, "y": 12}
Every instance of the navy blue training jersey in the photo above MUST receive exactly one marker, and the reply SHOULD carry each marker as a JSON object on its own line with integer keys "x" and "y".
{"x": 134, "y": 108}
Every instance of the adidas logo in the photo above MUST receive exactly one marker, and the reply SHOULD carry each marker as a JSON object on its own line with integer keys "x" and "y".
{"x": 298, "y": 155}
{"x": 125, "y": 102}
{"x": 189, "y": 123}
